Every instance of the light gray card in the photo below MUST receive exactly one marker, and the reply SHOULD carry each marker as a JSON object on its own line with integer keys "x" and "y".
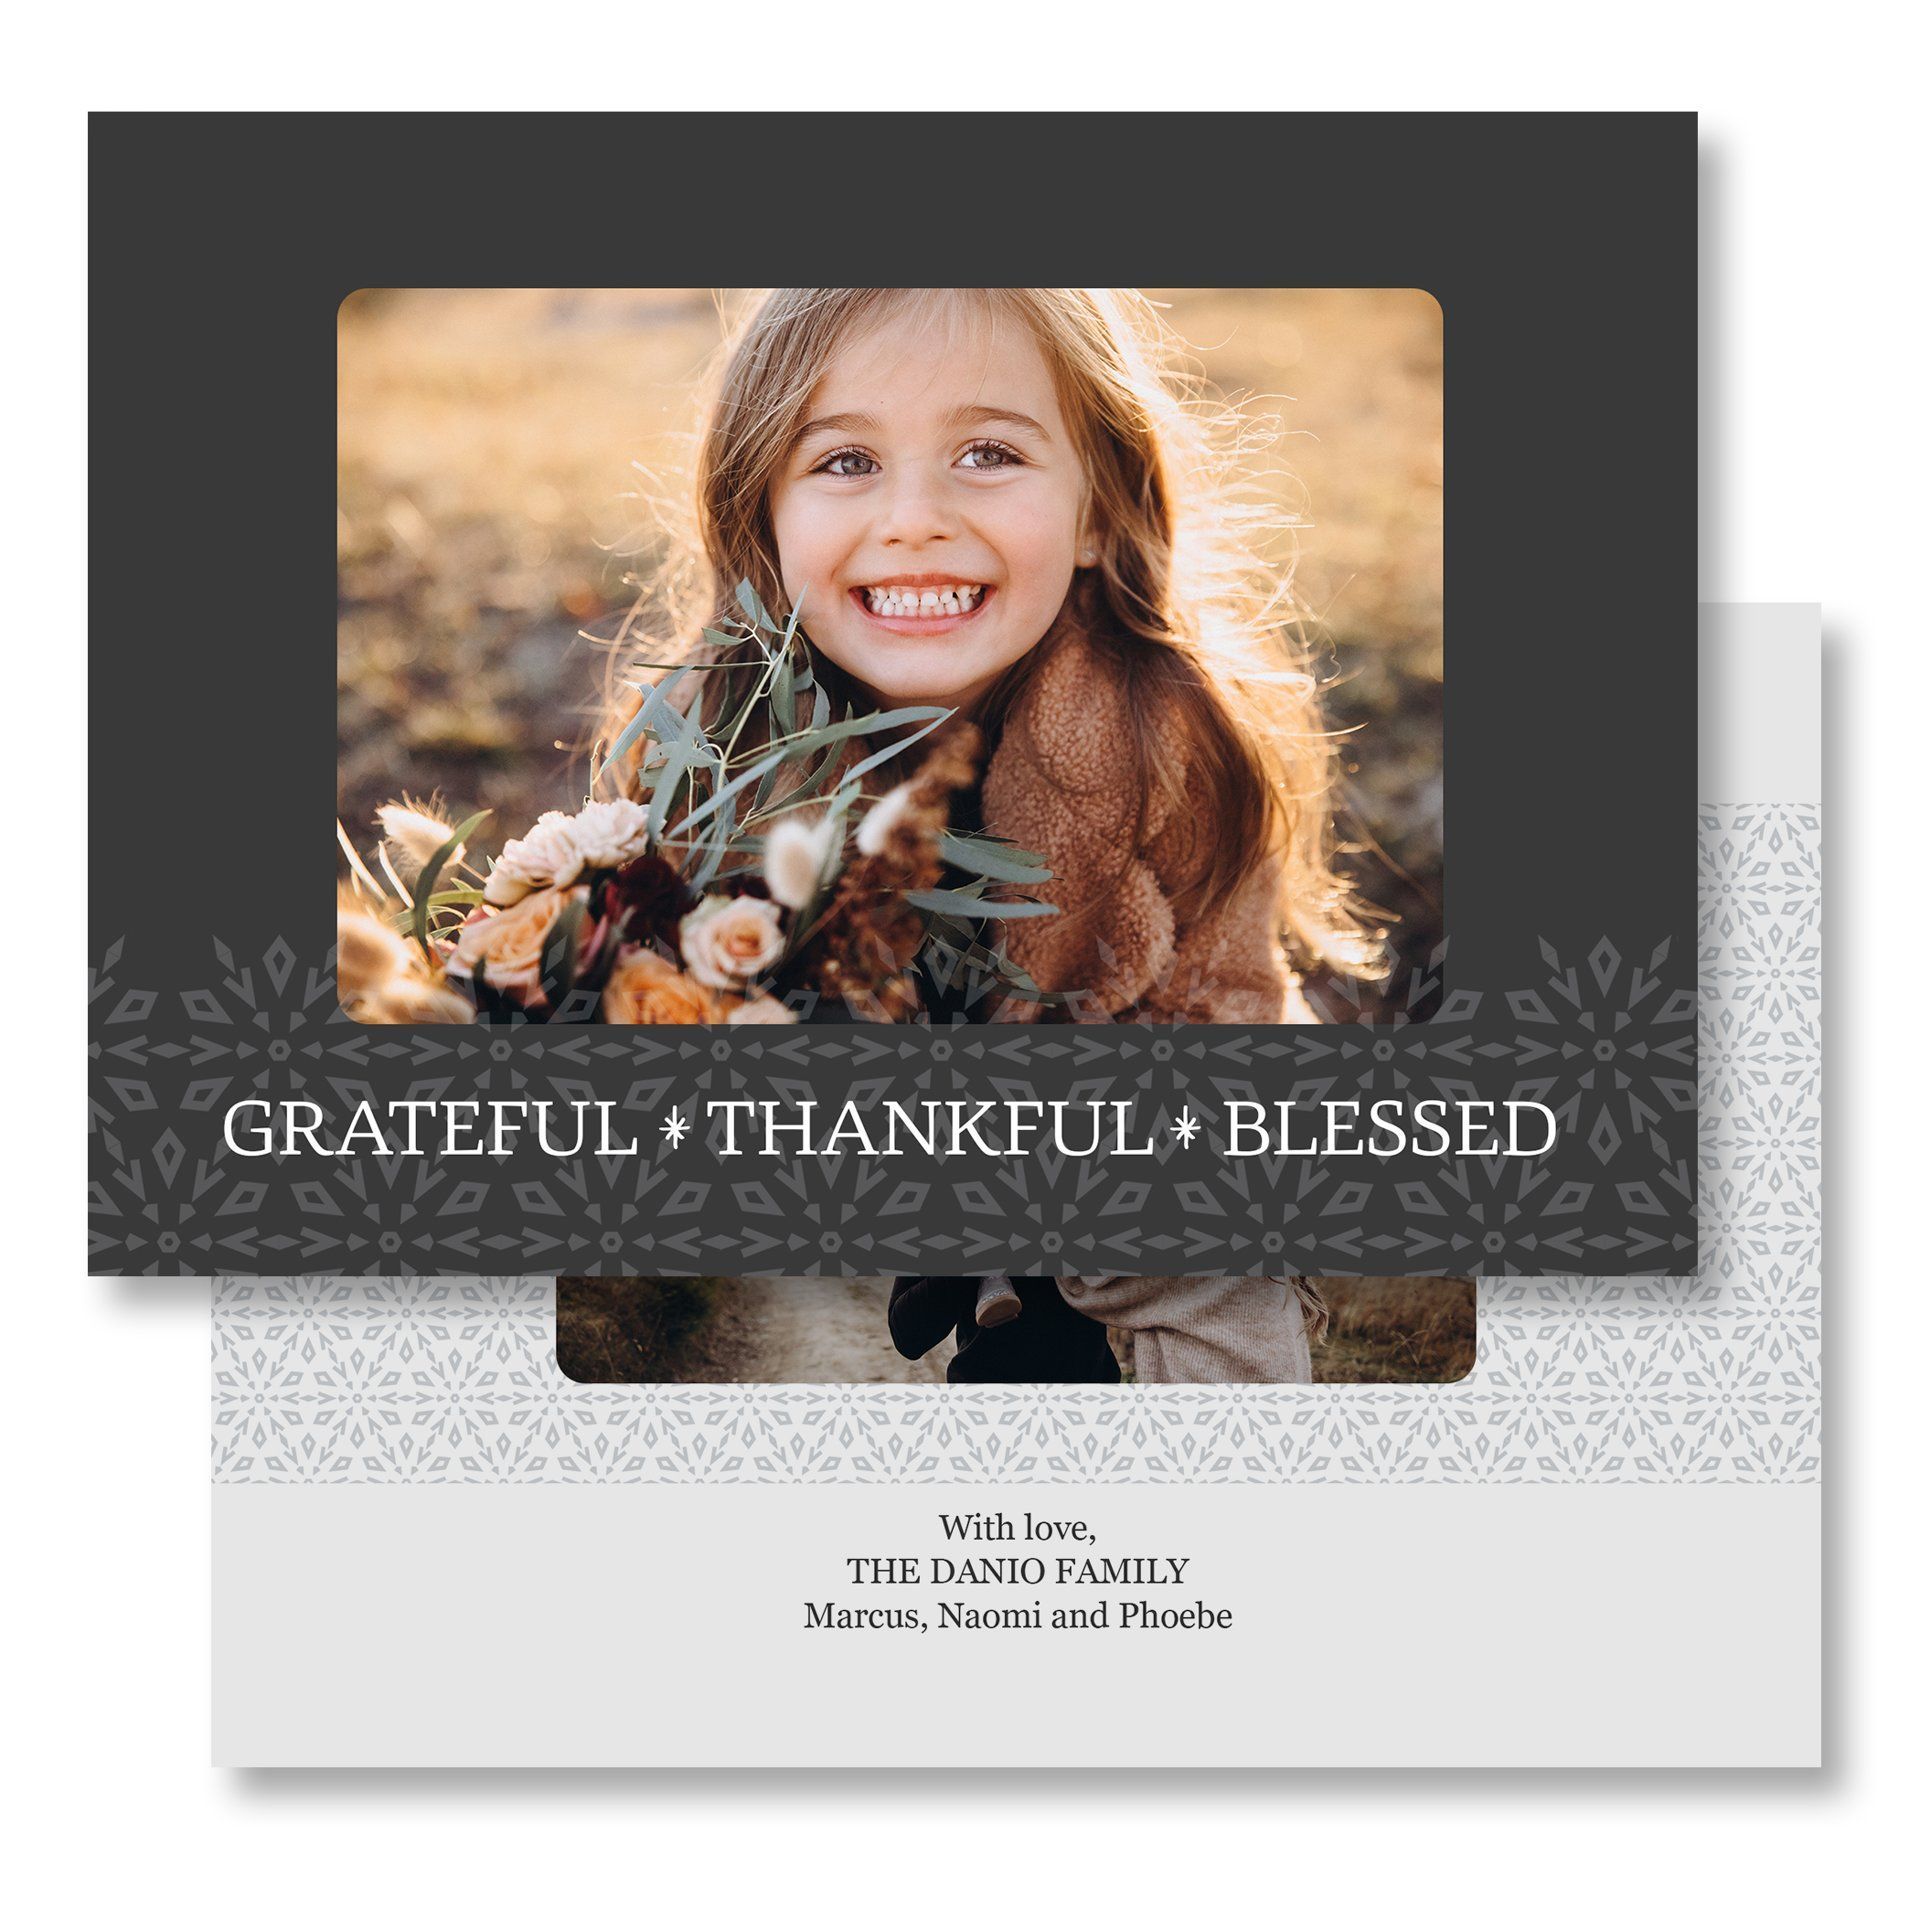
{"x": 1614, "y": 1519}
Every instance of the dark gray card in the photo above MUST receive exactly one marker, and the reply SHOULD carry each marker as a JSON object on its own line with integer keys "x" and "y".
{"x": 1561, "y": 251}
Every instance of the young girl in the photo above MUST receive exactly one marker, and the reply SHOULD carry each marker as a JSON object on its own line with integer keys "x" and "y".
{"x": 995, "y": 499}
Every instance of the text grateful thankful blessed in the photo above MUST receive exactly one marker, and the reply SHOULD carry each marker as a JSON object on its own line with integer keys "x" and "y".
{"x": 885, "y": 1129}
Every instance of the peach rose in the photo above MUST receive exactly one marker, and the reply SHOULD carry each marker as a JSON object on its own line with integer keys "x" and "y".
{"x": 646, "y": 991}
{"x": 725, "y": 943}
{"x": 512, "y": 940}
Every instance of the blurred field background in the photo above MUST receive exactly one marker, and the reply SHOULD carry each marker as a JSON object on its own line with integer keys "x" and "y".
{"x": 499, "y": 451}
{"x": 718, "y": 1331}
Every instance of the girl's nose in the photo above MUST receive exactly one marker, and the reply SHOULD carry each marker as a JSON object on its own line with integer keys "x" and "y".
{"x": 916, "y": 511}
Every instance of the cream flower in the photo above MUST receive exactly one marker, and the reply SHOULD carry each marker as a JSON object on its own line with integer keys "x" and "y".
{"x": 547, "y": 857}
{"x": 796, "y": 858}
{"x": 506, "y": 884}
{"x": 725, "y": 943}
{"x": 609, "y": 833}
{"x": 882, "y": 817}
{"x": 763, "y": 1010}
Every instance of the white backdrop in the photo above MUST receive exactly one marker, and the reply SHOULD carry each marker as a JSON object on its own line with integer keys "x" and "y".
{"x": 1808, "y": 422}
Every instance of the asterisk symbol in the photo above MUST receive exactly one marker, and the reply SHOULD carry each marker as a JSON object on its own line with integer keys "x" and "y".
{"x": 1185, "y": 1127}
{"x": 675, "y": 1126}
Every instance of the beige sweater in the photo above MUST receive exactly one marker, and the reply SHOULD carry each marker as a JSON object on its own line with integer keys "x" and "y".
{"x": 1205, "y": 1331}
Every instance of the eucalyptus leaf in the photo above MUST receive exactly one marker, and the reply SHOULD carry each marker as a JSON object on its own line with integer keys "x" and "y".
{"x": 655, "y": 714}
{"x": 725, "y": 792}
{"x": 719, "y": 842}
{"x": 818, "y": 778}
{"x": 857, "y": 726}
{"x": 764, "y": 797}
{"x": 1024, "y": 856}
{"x": 991, "y": 857}
{"x": 807, "y": 742}
{"x": 785, "y": 714}
{"x": 854, "y": 774}
{"x": 700, "y": 666}
{"x": 736, "y": 696}
{"x": 752, "y": 605}
{"x": 968, "y": 906}
{"x": 1012, "y": 971}
{"x": 665, "y": 786}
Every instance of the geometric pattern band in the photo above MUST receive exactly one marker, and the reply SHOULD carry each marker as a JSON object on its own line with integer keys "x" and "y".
{"x": 1710, "y": 1378}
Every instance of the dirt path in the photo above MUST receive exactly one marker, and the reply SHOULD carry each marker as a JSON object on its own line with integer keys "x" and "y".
{"x": 810, "y": 1330}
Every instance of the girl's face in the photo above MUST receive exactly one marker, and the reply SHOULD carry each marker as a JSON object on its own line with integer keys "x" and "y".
{"x": 930, "y": 510}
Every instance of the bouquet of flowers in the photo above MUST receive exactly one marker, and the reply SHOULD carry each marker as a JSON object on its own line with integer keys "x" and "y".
{"x": 756, "y": 873}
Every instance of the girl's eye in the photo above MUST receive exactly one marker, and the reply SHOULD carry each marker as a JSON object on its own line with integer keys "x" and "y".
{"x": 848, "y": 464}
{"x": 990, "y": 455}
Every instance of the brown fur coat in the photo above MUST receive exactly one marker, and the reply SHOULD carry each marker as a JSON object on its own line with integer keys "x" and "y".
{"x": 1064, "y": 783}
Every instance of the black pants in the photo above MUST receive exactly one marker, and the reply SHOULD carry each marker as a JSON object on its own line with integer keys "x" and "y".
{"x": 1048, "y": 1344}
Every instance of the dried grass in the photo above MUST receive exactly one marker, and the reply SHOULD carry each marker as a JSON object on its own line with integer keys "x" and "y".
{"x": 1423, "y": 1330}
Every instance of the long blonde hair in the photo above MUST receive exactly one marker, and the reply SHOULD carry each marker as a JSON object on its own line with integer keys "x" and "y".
{"x": 1203, "y": 625}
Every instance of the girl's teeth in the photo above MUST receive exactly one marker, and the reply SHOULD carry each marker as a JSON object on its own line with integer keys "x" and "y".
{"x": 898, "y": 603}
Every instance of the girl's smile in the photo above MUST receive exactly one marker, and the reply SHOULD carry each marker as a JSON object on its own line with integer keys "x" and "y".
{"x": 928, "y": 512}
{"x": 918, "y": 604}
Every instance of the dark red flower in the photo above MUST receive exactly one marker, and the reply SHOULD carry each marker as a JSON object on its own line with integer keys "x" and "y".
{"x": 650, "y": 894}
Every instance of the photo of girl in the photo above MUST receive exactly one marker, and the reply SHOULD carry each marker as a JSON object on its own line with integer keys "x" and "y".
{"x": 1013, "y": 548}
{"x": 972, "y": 498}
